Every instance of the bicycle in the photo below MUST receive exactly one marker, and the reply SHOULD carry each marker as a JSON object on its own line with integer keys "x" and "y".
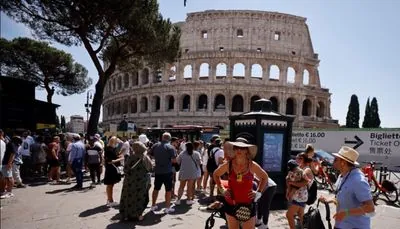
{"x": 325, "y": 176}
{"x": 387, "y": 188}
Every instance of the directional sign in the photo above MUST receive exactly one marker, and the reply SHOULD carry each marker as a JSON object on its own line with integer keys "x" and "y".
{"x": 373, "y": 145}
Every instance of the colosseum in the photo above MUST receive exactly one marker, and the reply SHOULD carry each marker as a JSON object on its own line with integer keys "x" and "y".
{"x": 230, "y": 58}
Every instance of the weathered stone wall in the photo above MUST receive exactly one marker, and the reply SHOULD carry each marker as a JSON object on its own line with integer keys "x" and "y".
{"x": 229, "y": 59}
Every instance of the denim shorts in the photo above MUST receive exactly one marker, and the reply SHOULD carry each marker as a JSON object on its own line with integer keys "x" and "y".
{"x": 300, "y": 204}
{"x": 6, "y": 172}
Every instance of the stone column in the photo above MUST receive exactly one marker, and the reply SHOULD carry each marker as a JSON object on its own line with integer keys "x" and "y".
{"x": 314, "y": 107}
{"x": 298, "y": 80}
{"x": 283, "y": 74}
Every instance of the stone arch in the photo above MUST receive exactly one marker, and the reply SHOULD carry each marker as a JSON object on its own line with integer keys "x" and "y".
{"x": 114, "y": 84}
{"x": 238, "y": 70}
{"x": 185, "y": 102}
{"x": 118, "y": 107}
{"x": 134, "y": 106}
{"x": 204, "y": 70}
{"x": 202, "y": 103}
{"x": 256, "y": 71}
{"x": 237, "y": 103}
{"x": 135, "y": 78}
{"x": 274, "y": 72}
{"x": 170, "y": 104}
{"x": 253, "y": 100}
{"x": 219, "y": 102}
{"x": 126, "y": 80}
{"x": 187, "y": 71}
{"x": 156, "y": 103}
{"x": 221, "y": 70}
{"x": 306, "y": 109}
{"x": 172, "y": 73}
{"x": 306, "y": 77}
{"x": 320, "y": 109}
{"x": 290, "y": 106}
{"x": 291, "y": 75}
{"x": 125, "y": 106}
{"x": 275, "y": 103}
{"x": 144, "y": 105}
{"x": 145, "y": 76}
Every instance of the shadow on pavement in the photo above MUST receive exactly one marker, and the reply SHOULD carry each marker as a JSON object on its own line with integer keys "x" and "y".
{"x": 93, "y": 211}
{"x": 84, "y": 189}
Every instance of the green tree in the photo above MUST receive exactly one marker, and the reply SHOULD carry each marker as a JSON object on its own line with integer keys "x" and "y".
{"x": 353, "y": 113}
{"x": 49, "y": 68}
{"x": 58, "y": 125}
{"x": 375, "y": 120}
{"x": 63, "y": 123}
{"x": 367, "y": 116}
{"x": 122, "y": 33}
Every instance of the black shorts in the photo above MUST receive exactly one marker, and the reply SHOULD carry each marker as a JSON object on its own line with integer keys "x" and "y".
{"x": 53, "y": 163}
{"x": 230, "y": 209}
{"x": 160, "y": 179}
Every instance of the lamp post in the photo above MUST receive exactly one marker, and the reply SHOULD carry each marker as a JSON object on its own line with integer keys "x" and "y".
{"x": 89, "y": 95}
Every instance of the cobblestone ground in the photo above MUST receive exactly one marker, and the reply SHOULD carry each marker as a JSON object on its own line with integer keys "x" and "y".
{"x": 45, "y": 206}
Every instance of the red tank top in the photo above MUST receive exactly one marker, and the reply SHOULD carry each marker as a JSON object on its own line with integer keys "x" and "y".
{"x": 241, "y": 186}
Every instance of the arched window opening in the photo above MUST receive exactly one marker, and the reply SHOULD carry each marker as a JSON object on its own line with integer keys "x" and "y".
{"x": 204, "y": 70}
{"x": 274, "y": 73}
{"x": 221, "y": 70}
{"x": 238, "y": 70}
{"x": 119, "y": 83}
{"x": 256, "y": 71}
{"x": 109, "y": 110}
{"x": 135, "y": 78}
{"x": 172, "y": 73}
{"x": 202, "y": 104}
{"x": 219, "y": 103}
{"x": 118, "y": 107}
{"x": 187, "y": 72}
{"x": 237, "y": 103}
{"x": 239, "y": 33}
{"x": 275, "y": 103}
{"x": 306, "y": 77}
{"x": 170, "y": 103}
{"x": 158, "y": 74}
{"x": 156, "y": 103}
{"x": 291, "y": 75}
{"x": 126, "y": 80}
{"x": 145, "y": 76}
{"x": 143, "y": 105}
{"x": 306, "y": 110}
{"x": 125, "y": 107}
{"x": 114, "y": 83}
{"x": 186, "y": 103}
{"x": 134, "y": 106}
{"x": 253, "y": 100}
{"x": 290, "y": 107}
{"x": 320, "y": 109}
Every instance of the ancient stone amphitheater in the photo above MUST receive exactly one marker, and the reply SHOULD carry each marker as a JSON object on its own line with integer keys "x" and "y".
{"x": 230, "y": 58}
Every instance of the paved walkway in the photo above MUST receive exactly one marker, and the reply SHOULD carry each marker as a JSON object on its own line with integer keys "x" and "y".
{"x": 45, "y": 206}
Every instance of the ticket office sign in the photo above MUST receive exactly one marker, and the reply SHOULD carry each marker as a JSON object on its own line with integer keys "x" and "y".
{"x": 373, "y": 145}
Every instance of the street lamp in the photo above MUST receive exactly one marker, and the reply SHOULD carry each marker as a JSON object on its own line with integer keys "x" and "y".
{"x": 89, "y": 95}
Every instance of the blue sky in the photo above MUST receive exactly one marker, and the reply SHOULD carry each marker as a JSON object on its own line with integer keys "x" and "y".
{"x": 357, "y": 42}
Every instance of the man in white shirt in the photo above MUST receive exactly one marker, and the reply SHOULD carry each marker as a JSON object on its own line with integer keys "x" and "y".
{"x": 2, "y": 147}
{"x": 26, "y": 166}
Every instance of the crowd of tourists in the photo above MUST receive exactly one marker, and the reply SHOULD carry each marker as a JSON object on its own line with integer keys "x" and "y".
{"x": 225, "y": 168}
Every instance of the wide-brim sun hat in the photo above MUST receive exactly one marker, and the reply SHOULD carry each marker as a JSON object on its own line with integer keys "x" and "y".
{"x": 348, "y": 154}
{"x": 143, "y": 138}
{"x": 241, "y": 143}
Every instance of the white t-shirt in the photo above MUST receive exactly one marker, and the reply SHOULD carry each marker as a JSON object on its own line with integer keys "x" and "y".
{"x": 26, "y": 146}
{"x": 2, "y": 150}
{"x": 219, "y": 154}
{"x": 125, "y": 148}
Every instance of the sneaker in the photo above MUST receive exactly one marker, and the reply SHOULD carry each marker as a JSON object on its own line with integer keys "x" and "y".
{"x": 169, "y": 210}
{"x": 4, "y": 195}
{"x": 154, "y": 208}
{"x": 189, "y": 202}
{"x": 113, "y": 204}
{"x": 21, "y": 185}
{"x": 178, "y": 202}
{"x": 259, "y": 222}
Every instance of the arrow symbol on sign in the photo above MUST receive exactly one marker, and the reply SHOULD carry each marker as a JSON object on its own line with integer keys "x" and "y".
{"x": 358, "y": 142}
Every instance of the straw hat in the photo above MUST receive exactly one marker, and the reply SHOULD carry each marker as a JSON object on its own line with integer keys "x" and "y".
{"x": 242, "y": 143}
{"x": 143, "y": 138}
{"x": 348, "y": 154}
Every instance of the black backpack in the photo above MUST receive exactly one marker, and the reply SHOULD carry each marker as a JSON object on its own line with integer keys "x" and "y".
{"x": 312, "y": 193}
{"x": 312, "y": 218}
{"x": 211, "y": 164}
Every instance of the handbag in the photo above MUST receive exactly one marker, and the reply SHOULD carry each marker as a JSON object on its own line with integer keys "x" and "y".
{"x": 120, "y": 170}
{"x": 242, "y": 212}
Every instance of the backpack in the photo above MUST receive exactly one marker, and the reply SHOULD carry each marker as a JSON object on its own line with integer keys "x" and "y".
{"x": 312, "y": 218}
{"x": 211, "y": 164}
{"x": 312, "y": 193}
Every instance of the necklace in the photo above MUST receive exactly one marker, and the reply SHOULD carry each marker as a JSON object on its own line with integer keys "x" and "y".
{"x": 240, "y": 169}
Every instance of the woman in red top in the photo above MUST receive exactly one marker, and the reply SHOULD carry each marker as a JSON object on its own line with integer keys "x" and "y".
{"x": 241, "y": 171}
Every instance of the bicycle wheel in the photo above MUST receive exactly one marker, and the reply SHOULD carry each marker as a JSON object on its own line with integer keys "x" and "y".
{"x": 392, "y": 196}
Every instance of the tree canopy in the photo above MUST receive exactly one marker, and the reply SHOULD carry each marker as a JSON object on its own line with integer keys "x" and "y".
{"x": 49, "y": 68}
{"x": 353, "y": 113}
{"x": 123, "y": 33}
{"x": 367, "y": 116}
{"x": 375, "y": 120}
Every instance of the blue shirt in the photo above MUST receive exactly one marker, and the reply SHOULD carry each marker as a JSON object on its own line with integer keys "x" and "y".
{"x": 354, "y": 192}
{"x": 163, "y": 153}
{"x": 77, "y": 151}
